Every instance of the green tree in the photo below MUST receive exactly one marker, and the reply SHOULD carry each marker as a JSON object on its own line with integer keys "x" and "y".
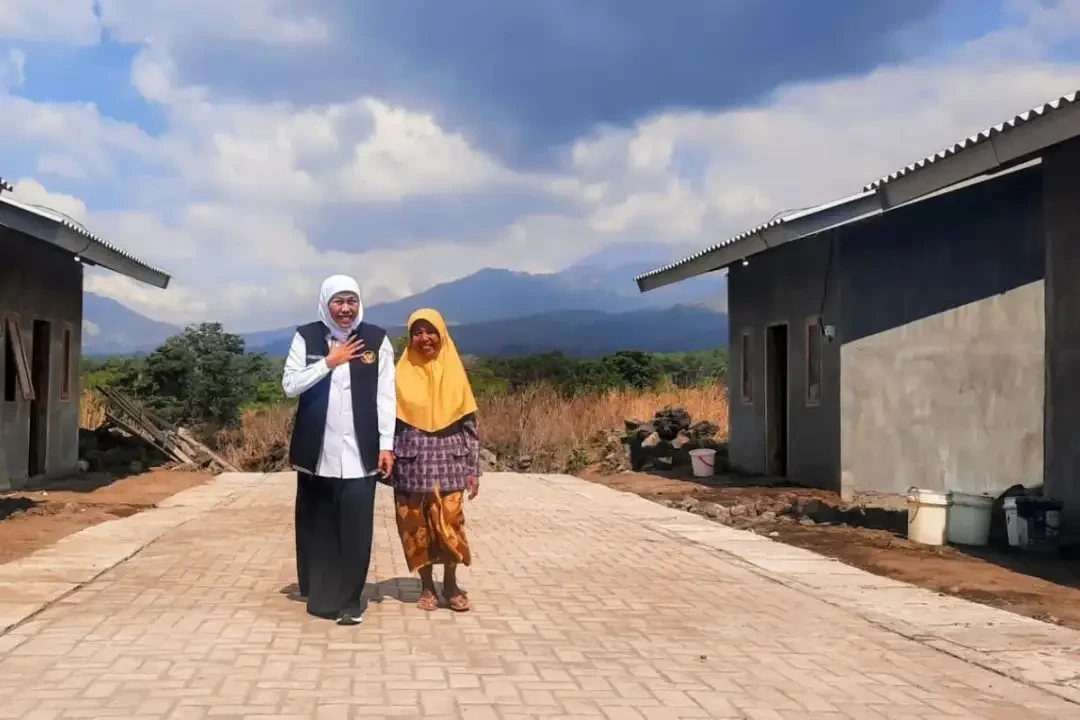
{"x": 634, "y": 368}
{"x": 199, "y": 376}
{"x": 264, "y": 375}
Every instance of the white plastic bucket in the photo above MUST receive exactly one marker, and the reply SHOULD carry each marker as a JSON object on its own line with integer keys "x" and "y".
{"x": 969, "y": 518}
{"x": 703, "y": 460}
{"x": 928, "y": 516}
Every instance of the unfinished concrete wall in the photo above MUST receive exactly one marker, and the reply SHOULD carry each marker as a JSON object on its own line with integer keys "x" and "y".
{"x": 786, "y": 285}
{"x": 1062, "y": 216}
{"x": 40, "y": 282}
{"x": 943, "y": 343}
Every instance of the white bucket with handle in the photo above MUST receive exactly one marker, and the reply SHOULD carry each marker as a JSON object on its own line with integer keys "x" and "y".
{"x": 703, "y": 460}
{"x": 928, "y": 516}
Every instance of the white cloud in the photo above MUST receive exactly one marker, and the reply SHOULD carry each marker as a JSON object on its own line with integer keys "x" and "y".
{"x": 359, "y": 150}
{"x": 67, "y": 21}
{"x": 31, "y": 191}
{"x": 60, "y": 165}
{"x": 180, "y": 304}
{"x": 226, "y": 195}
{"x": 407, "y": 153}
{"x": 90, "y": 329}
{"x": 674, "y": 211}
{"x": 145, "y": 234}
{"x": 91, "y": 144}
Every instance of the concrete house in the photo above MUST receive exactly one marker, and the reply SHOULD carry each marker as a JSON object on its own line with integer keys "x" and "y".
{"x": 42, "y": 255}
{"x": 924, "y": 332}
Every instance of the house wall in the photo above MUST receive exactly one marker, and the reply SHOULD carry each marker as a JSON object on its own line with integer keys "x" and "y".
{"x": 786, "y": 285}
{"x": 1062, "y": 212}
{"x": 40, "y": 282}
{"x": 943, "y": 343}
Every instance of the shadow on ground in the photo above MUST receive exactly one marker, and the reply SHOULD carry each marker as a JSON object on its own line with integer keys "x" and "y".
{"x": 81, "y": 482}
{"x": 400, "y": 589}
{"x": 1060, "y": 568}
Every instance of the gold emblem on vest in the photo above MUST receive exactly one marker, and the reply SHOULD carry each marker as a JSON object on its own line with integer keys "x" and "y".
{"x": 368, "y": 357}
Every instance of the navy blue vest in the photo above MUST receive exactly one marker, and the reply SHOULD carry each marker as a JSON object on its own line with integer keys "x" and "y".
{"x": 309, "y": 425}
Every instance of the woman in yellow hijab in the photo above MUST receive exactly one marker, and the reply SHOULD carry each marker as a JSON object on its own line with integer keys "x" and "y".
{"x": 438, "y": 458}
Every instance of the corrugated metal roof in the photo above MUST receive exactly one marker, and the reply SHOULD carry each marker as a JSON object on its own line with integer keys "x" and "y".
{"x": 708, "y": 250}
{"x": 986, "y": 135}
{"x": 783, "y": 219}
{"x": 5, "y": 185}
{"x": 71, "y": 224}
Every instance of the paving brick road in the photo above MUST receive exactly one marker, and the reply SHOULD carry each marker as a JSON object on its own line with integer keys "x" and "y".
{"x": 588, "y": 604}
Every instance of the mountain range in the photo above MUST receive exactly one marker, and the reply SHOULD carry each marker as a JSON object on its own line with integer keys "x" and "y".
{"x": 590, "y": 308}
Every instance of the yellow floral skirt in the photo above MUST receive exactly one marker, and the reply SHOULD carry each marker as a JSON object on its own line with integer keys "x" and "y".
{"x": 432, "y": 528}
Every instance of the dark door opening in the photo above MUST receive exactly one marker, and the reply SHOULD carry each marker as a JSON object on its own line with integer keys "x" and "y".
{"x": 40, "y": 363}
{"x": 776, "y": 400}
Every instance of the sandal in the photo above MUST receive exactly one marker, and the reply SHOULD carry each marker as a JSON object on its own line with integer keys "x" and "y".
{"x": 459, "y": 601}
{"x": 428, "y": 601}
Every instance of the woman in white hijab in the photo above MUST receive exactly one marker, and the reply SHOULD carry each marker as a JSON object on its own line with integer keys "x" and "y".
{"x": 342, "y": 371}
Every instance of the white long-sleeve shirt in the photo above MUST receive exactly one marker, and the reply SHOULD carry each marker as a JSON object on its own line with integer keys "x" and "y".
{"x": 340, "y": 455}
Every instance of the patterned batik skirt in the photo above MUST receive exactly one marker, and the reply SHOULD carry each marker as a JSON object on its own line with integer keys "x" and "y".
{"x": 432, "y": 528}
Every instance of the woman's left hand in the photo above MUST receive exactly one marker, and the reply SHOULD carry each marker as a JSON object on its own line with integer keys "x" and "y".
{"x": 473, "y": 485}
{"x": 386, "y": 463}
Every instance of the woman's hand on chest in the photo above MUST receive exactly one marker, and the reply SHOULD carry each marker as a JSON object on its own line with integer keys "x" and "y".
{"x": 340, "y": 354}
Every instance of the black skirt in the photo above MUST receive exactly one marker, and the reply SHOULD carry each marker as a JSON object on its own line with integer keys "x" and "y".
{"x": 334, "y": 525}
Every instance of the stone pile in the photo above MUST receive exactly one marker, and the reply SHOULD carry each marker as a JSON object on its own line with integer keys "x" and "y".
{"x": 790, "y": 509}
{"x": 665, "y": 442}
{"x": 107, "y": 450}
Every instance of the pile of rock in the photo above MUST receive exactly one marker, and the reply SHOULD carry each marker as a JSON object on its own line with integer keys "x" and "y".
{"x": 666, "y": 441}
{"x": 108, "y": 450}
{"x": 748, "y": 512}
{"x": 614, "y": 455}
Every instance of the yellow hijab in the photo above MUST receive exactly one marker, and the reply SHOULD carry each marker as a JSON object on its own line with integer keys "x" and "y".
{"x": 433, "y": 394}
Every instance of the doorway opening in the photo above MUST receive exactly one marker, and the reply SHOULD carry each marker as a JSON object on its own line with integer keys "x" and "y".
{"x": 776, "y": 400}
{"x": 40, "y": 364}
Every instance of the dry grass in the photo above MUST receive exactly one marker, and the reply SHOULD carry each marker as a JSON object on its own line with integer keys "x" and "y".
{"x": 261, "y": 443}
{"x": 91, "y": 410}
{"x": 536, "y": 422}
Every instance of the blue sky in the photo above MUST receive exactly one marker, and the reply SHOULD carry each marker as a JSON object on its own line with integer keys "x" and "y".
{"x": 253, "y": 146}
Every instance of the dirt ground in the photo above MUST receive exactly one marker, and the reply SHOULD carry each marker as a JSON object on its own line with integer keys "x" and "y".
{"x": 33, "y": 519}
{"x": 1042, "y": 587}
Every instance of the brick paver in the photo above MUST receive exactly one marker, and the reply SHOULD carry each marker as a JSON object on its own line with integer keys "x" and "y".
{"x": 581, "y": 610}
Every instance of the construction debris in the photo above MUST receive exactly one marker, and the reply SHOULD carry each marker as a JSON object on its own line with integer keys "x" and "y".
{"x": 174, "y": 442}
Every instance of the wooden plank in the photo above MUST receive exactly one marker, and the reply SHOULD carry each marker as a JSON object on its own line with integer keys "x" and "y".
{"x": 22, "y": 363}
{"x": 176, "y": 442}
{"x": 122, "y": 412}
{"x": 134, "y": 432}
{"x": 179, "y": 456}
{"x": 218, "y": 459}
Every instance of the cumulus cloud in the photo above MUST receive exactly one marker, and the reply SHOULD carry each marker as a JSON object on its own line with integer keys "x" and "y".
{"x": 30, "y": 191}
{"x": 249, "y": 202}
{"x": 67, "y": 21}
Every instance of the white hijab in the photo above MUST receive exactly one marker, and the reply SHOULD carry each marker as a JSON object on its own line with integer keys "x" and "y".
{"x": 335, "y": 285}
